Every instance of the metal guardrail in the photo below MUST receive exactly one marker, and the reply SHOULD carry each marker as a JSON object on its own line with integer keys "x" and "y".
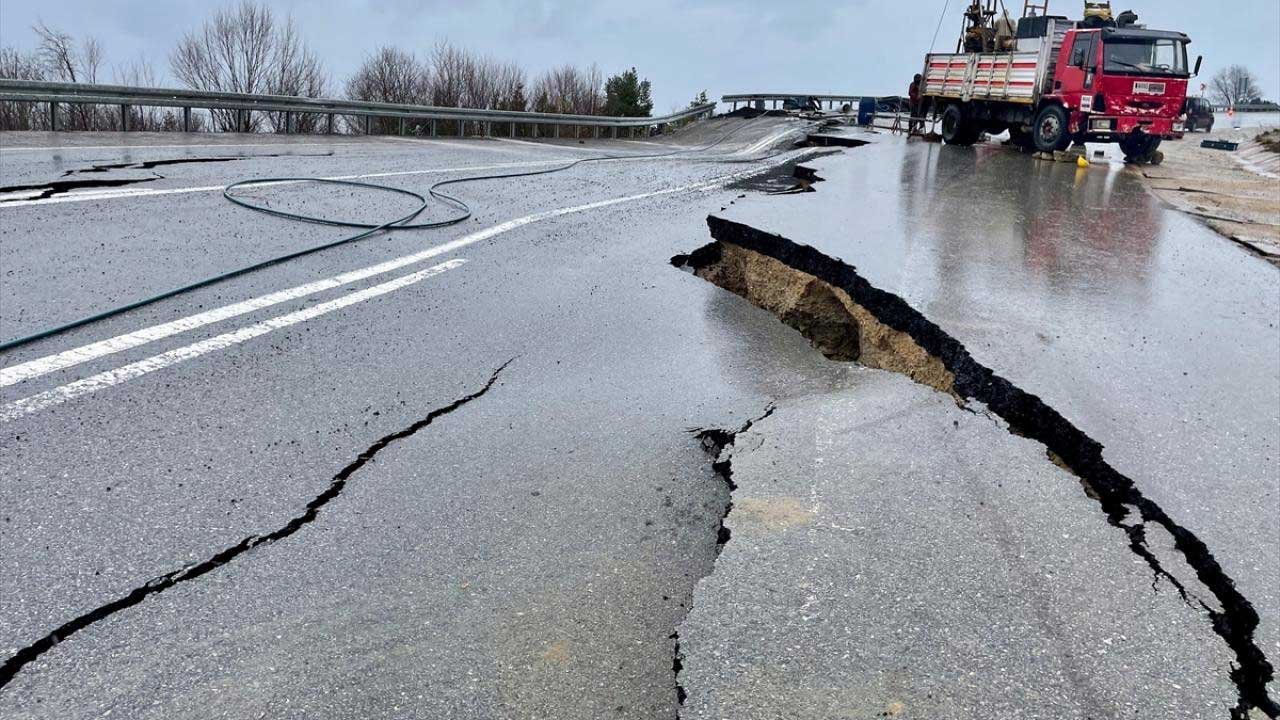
{"x": 70, "y": 93}
{"x": 775, "y": 98}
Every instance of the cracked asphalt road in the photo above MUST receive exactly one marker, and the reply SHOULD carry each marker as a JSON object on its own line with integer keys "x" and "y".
{"x": 530, "y": 554}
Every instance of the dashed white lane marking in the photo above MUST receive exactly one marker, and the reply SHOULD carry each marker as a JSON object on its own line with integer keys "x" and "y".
{"x": 141, "y": 192}
{"x": 85, "y": 353}
{"x": 107, "y": 379}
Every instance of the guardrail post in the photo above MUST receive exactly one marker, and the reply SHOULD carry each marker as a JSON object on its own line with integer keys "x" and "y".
{"x": 534, "y": 131}
{"x": 329, "y": 124}
{"x": 124, "y": 118}
{"x": 186, "y": 119}
{"x": 615, "y": 132}
{"x": 401, "y": 126}
{"x": 488, "y": 129}
{"x": 288, "y": 122}
{"x": 557, "y": 127}
{"x": 433, "y": 127}
{"x": 462, "y": 128}
{"x": 597, "y": 132}
{"x": 513, "y": 129}
{"x": 368, "y": 124}
{"x": 53, "y": 116}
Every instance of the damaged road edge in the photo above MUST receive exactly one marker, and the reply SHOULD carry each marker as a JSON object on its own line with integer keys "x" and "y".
{"x": 159, "y": 584}
{"x": 848, "y": 319}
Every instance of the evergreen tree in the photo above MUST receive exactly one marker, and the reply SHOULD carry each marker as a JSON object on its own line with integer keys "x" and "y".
{"x": 626, "y": 95}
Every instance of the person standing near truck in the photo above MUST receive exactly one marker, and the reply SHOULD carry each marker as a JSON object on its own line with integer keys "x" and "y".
{"x": 917, "y": 112}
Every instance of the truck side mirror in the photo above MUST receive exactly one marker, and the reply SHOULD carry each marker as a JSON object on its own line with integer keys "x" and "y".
{"x": 1199, "y": 59}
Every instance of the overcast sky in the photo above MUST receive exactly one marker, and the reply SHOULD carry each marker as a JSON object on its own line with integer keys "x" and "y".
{"x": 723, "y": 46}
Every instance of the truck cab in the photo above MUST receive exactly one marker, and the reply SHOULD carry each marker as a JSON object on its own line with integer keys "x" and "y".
{"x": 1126, "y": 85}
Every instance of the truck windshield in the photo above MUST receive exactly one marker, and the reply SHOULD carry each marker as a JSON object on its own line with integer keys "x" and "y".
{"x": 1146, "y": 57}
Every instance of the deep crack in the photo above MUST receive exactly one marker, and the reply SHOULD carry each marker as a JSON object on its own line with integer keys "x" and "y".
{"x": 776, "y": 274}
{"x": 152, "y": 164}
{"x": 61, "y": 187}
{"x": 159, "y": 584}
{"x": 718, "y": 444}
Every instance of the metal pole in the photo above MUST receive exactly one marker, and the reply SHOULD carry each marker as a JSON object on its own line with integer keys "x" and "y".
{"x": 124, "y": 118}
{"x": 53, "y": 116}
{"x": 329, "y": 125}
{"x": 401, "y": 126}
{"x": 433, "y": 127}
{"x": 288, "y": 122}
{"x": 186, "y": 119}
{"x": 597, "y": 132}
{"x": 615, "y": 132}
{"x": 462, "y": 128}
{"x": 557, "y": 127}
{"x": 513, "y": 129}
{"x": 368, "y": 124}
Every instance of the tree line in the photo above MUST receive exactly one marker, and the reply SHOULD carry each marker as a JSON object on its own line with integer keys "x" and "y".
{"x": 247, "y": 48}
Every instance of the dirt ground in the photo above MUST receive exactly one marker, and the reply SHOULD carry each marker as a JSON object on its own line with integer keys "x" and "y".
{"x": 1235, "y": 193}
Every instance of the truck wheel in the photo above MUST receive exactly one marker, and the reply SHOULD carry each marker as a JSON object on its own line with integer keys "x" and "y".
{"x": 1139, "y": 147}
{"x": 1191, "y": 126}
{"x": 1050, "y": 130}
{"x": 956, "y": 128}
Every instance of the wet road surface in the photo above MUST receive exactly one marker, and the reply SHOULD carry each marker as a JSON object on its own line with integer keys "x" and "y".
{"x": 530, "y": 551}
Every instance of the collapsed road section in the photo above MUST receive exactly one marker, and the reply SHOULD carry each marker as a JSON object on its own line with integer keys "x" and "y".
{"x": 848, "y": 319}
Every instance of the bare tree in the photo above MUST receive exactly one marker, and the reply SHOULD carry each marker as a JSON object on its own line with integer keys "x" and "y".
{"x": 139, "y": 73}
{"x": 1235, "y": 85}
{"x": 391, "y": 75}
{"x": 298, "y": 72}
{"x": 243, "y": 49}
{"x": 65, "y": 60}
{"x": 15, "y": 65}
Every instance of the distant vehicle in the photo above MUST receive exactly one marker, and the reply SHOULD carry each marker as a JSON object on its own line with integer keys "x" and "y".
{"x": 1055, "y": 81}
{"x": 805, "y": 103}
{"x": 1199, "y": 115}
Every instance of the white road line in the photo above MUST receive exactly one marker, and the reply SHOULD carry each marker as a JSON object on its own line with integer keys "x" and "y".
{"x": 133, "y": 193}
{"x": 75, "y": 356}
{"x": 110, "y": 378}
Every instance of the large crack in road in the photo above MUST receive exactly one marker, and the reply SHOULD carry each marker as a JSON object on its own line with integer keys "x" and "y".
{"x": 310, "y": 513}
{"x": 718, "y": 444}
{"x": 849, "y": 319}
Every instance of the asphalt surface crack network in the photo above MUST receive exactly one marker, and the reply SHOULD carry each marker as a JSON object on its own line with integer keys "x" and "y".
{"x": 780, "y": 275}
{"x": 152, "y": 164}
{"x": 311, "y": 512}
{"x": 718, "y": 444}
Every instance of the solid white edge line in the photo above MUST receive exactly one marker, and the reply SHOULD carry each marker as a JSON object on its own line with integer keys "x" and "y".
{"x": 103, "y": 380}
{"x": 92, "y": 351}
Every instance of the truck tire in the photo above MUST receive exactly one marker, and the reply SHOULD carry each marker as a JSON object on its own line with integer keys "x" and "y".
{"x": 956, "y": 128}
{"x": 1139, "y": 147}
{"x": 1191, "y": 125}
{"x": 1051, "y": 131}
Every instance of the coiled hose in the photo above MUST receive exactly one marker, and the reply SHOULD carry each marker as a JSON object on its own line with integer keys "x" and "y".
{"x": 365, "y": 229}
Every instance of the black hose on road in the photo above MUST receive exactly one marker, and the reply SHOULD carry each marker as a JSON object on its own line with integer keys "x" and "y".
{"x": 366, "y": 229}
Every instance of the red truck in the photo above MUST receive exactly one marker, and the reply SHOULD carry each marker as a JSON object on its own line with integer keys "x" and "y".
{"x": 1060, "y": 81}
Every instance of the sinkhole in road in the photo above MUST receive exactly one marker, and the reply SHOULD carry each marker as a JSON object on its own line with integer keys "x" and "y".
{"x": 848, "y": 319}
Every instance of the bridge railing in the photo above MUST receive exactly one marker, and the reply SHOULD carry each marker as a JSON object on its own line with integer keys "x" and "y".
{"x": 57, "y": 94}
